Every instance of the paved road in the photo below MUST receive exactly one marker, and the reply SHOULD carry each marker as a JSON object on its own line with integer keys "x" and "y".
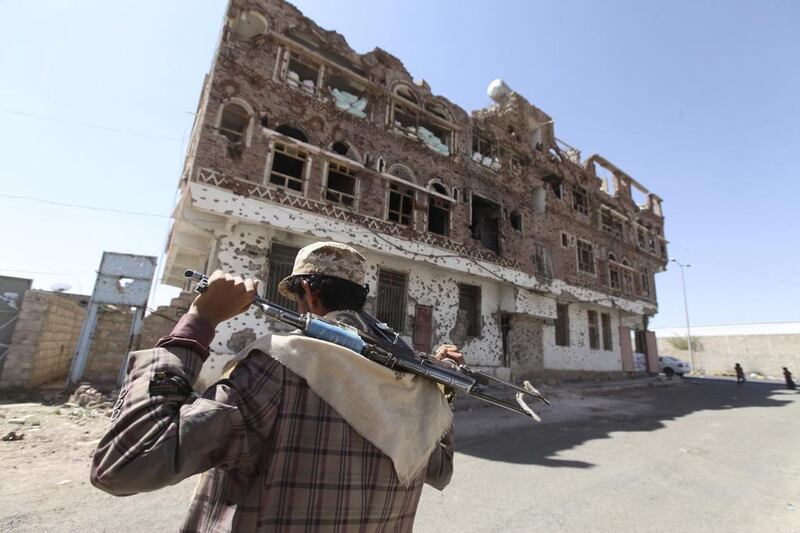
{"x": 707, "y": 455}
{"x": 701, "y": 456}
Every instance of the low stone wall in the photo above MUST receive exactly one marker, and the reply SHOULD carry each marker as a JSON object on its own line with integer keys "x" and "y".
{"x": 762, "y": 354}
{"x": 109, "y": 346}
{"x": 44, "y": 339}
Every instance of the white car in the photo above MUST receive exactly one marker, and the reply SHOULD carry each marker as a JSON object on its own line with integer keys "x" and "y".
{"x": 670, "y": 366}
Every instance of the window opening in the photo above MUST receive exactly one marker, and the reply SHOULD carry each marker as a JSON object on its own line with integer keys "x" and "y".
{"x": 580, "y": 202}
{"x": 645, "y": 275}
{"x": 485, "y": 152}
{"x": 291, "y": 131}
{"x": 391, "y": 299}
{"x": 565, "y": 239}
{"x": 469, "y": 308}
{"x": 612, "y": 224}
{"x": 402, "y": 172}
{"x": 594, "y": 333}
{"x": 288, "y": 167}
{"x": 279, "y": 265}
{"x": 542, "y": 262}
{"x": 516, "y": 220}
{"x": 347, "y": 95}
{"x": 608, "y": 340}
{"x": 302, "y": 74}
{"x": 401, "y": 204}
{"x": 585, "y": 257}
{"x": 556, "y": 185}
{"x": 562, "y": 325}
{"x": 341, "y": 186}
{"x": 234, "y": 122}
{"x": 486, "y": 223}
{"x": 438, "y": 215}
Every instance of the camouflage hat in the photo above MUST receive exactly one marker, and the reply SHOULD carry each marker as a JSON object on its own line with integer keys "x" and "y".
{"x": 328, "y": 259}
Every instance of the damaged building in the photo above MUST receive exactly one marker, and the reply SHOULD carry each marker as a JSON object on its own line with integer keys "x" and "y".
{"x": 481, "y": 229}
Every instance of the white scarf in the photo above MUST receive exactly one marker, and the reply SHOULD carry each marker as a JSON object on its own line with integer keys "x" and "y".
{"x": 403, "y": 415}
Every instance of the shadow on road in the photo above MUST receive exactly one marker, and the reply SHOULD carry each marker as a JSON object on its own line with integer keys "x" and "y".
{"x": 650, "y": 409}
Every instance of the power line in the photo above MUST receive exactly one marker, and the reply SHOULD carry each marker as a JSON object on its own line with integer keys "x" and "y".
{"x": 80, "y": 206}
{"x": 89, "y": 125}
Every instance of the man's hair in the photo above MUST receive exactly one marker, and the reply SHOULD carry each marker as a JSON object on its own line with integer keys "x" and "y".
{"x": 336, "y": 294}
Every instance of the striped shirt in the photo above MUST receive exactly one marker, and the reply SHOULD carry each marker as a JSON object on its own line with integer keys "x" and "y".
{"x": 273, "y": 455}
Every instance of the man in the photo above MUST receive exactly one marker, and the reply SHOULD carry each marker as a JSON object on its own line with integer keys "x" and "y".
{"x": 739, "y": 374}
{"x": 302, "y": 435}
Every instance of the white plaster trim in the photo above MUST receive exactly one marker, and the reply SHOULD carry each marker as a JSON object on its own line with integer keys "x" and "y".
{"x": 307, "y": 223}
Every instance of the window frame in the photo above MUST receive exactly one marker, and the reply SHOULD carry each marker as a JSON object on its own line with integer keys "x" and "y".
{"x": 473, "y": 318}
{"x": 285, "y": 150}
{"x": 404, "y": 192}
{"x": 593, "y": 324}
{"x": 605, "y": 325}
{"x": 386, "y": 307}
{"x": 580, "y": 192}
{"x": 589, "y": 247}
{"x": 562, "y": 325}
{"x": 336, "y": 196}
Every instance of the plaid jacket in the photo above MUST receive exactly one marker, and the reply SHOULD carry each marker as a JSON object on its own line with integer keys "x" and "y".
{"x": 273, "y": 455}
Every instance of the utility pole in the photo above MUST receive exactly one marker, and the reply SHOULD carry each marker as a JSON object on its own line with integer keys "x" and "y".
{"x": 686, "y": 311}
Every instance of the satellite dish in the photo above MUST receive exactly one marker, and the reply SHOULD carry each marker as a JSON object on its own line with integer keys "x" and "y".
{"x": 60, "y": 286}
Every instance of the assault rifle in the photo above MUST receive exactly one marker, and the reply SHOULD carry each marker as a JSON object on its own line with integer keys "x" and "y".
{"x": 458, "y": 378}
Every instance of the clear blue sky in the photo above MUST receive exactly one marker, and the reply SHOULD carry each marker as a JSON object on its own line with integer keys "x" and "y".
{"x": 698, "y": 100}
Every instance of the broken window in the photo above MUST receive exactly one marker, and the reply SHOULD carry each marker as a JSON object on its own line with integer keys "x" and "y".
{"x": 401, "y": 204}
{"x": 614, "y": 276}
{"x": 345, "y": 150}
{"x": 412, "y": 123}
{"x": 663, "y": 247}
{"x": 279, "y": 265}
{"x": 641, "y": 238}
{"x": 341, "y": 185}
{"x": 234, "y": 122}
{"x": 440, "y": 111}
{"x": 612, "y": 224}
{"x": 469, "y": 308}
{"x": 556, "y": 185}
{"x": 302, "y": 73}
{"x": 645, "y": 276}
{"x": 542, "y": 262}
{"x": 485, "y": 152}
{"x": 608, "y": 340}
{"x": 291, "y": 131}
{"x": 594, "y": 330}
{"x": 439, "y": 212}
{"x": 562, "y": 325}
{"x": 391, "y": 299}
{"x": 627, "y": 278}
{"x": 585, "y": 256}
{"x": 580, "y": 202}
{"x": 347, "y": 95}
{"x": 516, "y": 220}
{"x": 288, "y": 167}
{"x": 486, "y": 217}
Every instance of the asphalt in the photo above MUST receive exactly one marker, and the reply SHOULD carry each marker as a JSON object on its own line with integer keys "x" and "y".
{"x": 703, "y": 455}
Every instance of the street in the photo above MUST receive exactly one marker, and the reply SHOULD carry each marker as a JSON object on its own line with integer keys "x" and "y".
{"x": 703, "y": 455}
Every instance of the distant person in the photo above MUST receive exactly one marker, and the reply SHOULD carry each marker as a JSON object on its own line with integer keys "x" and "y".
{"x": 788, "y": 377}
{"x": 739, "y": 374}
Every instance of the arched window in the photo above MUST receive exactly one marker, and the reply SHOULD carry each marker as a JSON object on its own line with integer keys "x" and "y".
{"x": 438, "y": 187}
{"x": 346, "y": 150}
{"x": 440, "y": 110}
{"x": 291, "y": 131}
{"x": 249, "y": 24}
{"x": 234, "y": 122}
{"x": 406, "y": 92}
{"x": 402, "y": 172}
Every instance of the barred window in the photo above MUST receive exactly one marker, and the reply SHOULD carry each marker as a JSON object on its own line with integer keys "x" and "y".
{"x": 608, "y": 341}
{"x": 341, "y": 185}
{"x": 594, "y": 333}
{"x": 469, "y": 305}
{"x": 288, "y": 167}
{"x": 562, "y": 325}
{"x": 391, "y": 299}
{"x": 585, "y": 257}
{"x": 401, "y": 204}
{"x": 279, "y": 264}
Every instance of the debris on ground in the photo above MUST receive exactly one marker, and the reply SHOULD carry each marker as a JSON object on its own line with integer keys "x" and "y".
{"x": 12, "y": 436}
{"x": 88, "y": 397}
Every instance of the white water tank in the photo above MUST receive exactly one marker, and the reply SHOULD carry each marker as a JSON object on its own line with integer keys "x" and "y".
{"x": 498, "y": 91}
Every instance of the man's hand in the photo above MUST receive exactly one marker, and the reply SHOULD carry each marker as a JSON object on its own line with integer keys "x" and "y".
{"x": 449, "y": 351}
{"x": 225, "y": 297}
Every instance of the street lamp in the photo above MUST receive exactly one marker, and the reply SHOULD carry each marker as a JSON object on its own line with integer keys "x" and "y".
{"x": 686, "y": 310}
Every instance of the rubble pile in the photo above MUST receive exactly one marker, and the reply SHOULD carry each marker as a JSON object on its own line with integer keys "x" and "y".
{"x": 88, "y": 397}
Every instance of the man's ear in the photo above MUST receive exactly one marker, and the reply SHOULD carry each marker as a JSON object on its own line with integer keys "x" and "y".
{"x": 311, "y": 298}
